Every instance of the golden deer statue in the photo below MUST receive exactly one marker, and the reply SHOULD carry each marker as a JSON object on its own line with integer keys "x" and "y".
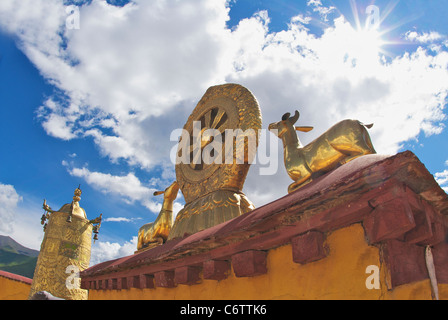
{"x": 156, "y": 233}
{"x": 340, "y": 144}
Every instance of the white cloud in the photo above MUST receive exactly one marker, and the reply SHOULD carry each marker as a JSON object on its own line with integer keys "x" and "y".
{"x": 105, "y": 251}
{"x": 20, "y": 217}
{"x": 424, "y": 37}
{"x": 296, "y": 69}
{"x": 120, "y": 219}
{"x": 56, "y": 126}
{"x": 9, "y": 199}
{"x": 442, "y": 179}
{"x": 28, "y": 231}
{"x": 133, "y": 74}
{"x": 128, "y": 187}
{"x": 114, "y": 147}
{"x": 322, "y": 10}
{"x": 177, "y": 206}
{"x": 59, "y": 121}
{"x": 333, "y": 77}
{"x": 36, "y": 22}
{"x": 301, "y": 19}
{"x": 142, "y": 58}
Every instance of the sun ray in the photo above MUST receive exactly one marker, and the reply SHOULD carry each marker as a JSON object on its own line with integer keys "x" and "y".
{"x": 355, "y": 14}
{"x": 388, "y": 10}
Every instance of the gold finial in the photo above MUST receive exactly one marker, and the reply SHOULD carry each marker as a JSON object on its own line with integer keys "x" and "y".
{"x": 78, "y": 193}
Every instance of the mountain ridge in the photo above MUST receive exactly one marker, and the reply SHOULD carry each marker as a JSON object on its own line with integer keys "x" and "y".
{"x": 6, "y": 241}
{"x": 16, "y": 258}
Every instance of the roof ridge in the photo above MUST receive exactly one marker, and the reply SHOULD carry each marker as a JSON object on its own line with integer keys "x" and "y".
{"x": 15, "y": 277}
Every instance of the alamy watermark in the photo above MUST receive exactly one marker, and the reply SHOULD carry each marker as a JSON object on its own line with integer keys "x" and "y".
{"x": 73, "y": 281}
{"x": 373, "y": 281}
{"x": 373, "y": 19}
{"x": 203, "y": 147}
{"x": 73, "y": 20}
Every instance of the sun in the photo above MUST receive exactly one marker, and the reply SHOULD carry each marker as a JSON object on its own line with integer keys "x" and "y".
{"x": 361, "y": 49}
{"x": 365, "y": 43}
{"x": 369, "y": 36}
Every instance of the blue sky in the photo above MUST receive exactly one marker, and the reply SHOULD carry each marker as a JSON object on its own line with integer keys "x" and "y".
{"x": 96, "y": 105}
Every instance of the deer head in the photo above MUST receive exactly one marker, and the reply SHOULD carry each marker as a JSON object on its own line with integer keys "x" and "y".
{"x": 287, "y": 125}
{"x": 170, "y": 193}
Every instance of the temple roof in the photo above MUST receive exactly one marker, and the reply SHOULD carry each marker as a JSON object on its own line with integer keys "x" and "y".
{"x": 340, "y": 198}
{"x": 78, "y": 211}
{"x": 15, "y": 277}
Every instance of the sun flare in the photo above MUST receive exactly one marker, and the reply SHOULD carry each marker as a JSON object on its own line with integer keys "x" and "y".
{"x": 365, "y": 43}
{"x": 370, "y": 37}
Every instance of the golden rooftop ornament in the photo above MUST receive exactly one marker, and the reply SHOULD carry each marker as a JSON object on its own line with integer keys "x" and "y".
{"x": 213, "y": 191}
{"x": 156, "y": 233}
{"x": 345, "y": 141}
{"x": 65, "y": 250}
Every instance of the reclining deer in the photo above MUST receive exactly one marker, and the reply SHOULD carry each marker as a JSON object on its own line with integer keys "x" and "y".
{"x": 156, "y": 233}
{"x": 340, "y": 144}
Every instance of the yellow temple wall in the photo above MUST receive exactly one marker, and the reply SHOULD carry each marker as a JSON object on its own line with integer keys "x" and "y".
{"x": 13, "y": 290}
{"x": 340, "y": 275}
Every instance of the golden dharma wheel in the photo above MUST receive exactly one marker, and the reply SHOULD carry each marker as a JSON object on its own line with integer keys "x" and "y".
{"x": 223, "y": 126}
{"x": 232, "y": 112}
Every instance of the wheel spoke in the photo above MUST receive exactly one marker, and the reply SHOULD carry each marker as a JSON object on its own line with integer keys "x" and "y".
{"x": 212, "y": 119}
{"x": 208, "y": 119}
{"x": 197, "y": 156}
{"x": 221, "y": 116}
{"x": 222, "y": 126}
